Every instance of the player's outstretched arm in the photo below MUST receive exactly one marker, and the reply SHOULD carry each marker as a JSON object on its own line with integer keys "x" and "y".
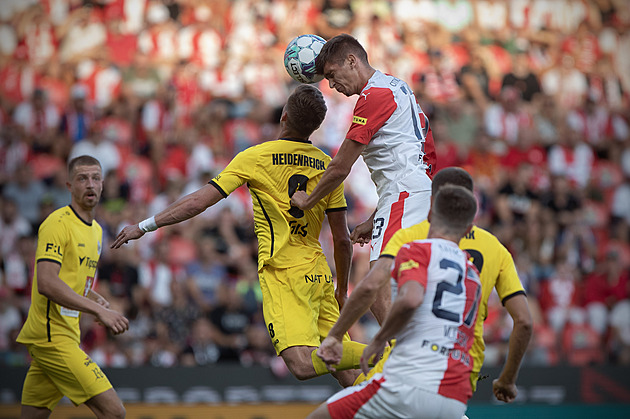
{"x": 52, "y": 287}
{"x": 330, "y": 351}
{"x": 336, "y": 172}
{"x": 410, "y": 296}
{"x": 504, "y": 387}
{"x": 181, "y": 210}
{"x": 342, "y": 253}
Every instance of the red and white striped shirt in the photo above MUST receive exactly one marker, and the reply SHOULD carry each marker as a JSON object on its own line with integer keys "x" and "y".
{"x": 400, "y": 153}
{"x": 433, "y": 349}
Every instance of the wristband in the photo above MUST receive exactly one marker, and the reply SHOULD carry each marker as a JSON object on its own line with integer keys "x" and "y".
{"x": 148, "y": 225}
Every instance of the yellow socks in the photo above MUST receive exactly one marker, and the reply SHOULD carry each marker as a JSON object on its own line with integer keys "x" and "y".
{"x": 350, "y": 359}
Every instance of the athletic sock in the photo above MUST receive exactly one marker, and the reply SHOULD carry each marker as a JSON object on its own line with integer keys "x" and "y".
{"x": 350, "y": 359}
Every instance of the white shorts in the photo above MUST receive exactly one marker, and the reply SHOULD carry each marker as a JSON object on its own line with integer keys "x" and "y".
{"x": 401, "y": 211}
{"x": 378, "y": 399}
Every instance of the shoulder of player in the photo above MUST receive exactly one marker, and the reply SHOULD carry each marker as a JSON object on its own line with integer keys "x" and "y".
{"x": 60, "y": 215}
{"x": 483, "y": 237}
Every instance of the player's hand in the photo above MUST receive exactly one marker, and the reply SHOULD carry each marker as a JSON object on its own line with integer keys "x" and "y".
{"x": 299, "y": 199}
{"x": 362, "y": 233}
{"x": 113, "y": 320}
{"x": 373, "y": 352}
{"x": 505, "y": 392}
{"x": 132, "y": 232}
{"x": 101, "y": 301}
{"x": 330, "y": 352}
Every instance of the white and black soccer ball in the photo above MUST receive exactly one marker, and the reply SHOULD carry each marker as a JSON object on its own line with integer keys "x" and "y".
{"x": 299, "y": 58}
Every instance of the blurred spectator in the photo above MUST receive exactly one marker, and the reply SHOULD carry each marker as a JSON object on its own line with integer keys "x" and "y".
{"x": 559, "y": 296}
{"x": 13, "y": 225}
{"x": 604, "y": 288}
{"x": 522, "y": 78}
{"x": 580, "y": 342}
{"x": 27, "y": 194}
{"x": 597, "y": 126}
{"x": 571, "y": 158}
{"x": 97, "y": 146}
{"x": 205, "y": 274}
{"x": 13, "y": 151}
{"x": 17, "y": 266}
{"x": 516, "y": 202}
{"x": 335, "y": 17}
{"x": 230, "y": 321}
{"x": 439, "y": 82}
{"x": 156, "y": 275}
{"x": 38, "y": 121}
{"x": 118, "y": 281}
{"x": 475, "y": 80}
{"x": 77, "y": 119}
{"x": 10, "y": 320}
{"x": 507, "y": 119}
{"x": 202, "y": 349}
{"x": 178, "y": 316}
{"x": 565, "y": 83}
{"x": 82, "y": 35}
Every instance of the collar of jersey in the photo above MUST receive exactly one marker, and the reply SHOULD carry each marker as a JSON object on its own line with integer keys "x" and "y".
{"x": 297, "y": 140}
{"x": 79, "y": 217}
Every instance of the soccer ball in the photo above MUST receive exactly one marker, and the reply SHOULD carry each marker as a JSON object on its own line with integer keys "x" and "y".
{"x": 299, "y": 58}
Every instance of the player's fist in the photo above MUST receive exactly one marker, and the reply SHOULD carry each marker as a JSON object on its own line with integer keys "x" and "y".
{"x": 300, "y": 200}
{"x": 505, "y": 392}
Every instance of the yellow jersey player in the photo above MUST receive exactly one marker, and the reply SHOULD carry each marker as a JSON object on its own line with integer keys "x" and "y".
{"x": 68, "y": 248}
{"x": 300, "y": 303}
{"x": 497, "y": 270}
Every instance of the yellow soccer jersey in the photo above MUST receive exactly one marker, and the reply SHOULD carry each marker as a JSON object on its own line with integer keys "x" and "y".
{"x": 66, "y": 239}
{"x": 496, "y": 269}
{"x": 273, "y": 171}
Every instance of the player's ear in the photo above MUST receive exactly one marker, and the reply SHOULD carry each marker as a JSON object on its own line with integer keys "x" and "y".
{"x": 352, "y": 60}
{"x": 429, "y": 215}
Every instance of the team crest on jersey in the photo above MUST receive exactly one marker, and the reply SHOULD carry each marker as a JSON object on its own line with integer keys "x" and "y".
{"x": 410, "y": 264}
{"x": 359, "y": 120}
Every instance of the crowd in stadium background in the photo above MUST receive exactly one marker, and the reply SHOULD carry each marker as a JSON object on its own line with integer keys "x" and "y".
{"x": 530, "y": 96}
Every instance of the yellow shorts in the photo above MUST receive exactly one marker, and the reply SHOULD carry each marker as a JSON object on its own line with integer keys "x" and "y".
{"x": 299, "y": 304}
{"x": 61, "y": 369}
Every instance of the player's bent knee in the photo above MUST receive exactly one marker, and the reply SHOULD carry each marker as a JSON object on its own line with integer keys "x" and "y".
{"x": 301, "y": 371}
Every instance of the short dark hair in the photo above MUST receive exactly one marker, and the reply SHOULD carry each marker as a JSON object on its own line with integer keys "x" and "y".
{"x": 306, "y": 110}
{"x": 337, "y": 49}
{"x": 451, "y": 176}
{"x": 453, "y": 209}
{"x": 84, "y": 160}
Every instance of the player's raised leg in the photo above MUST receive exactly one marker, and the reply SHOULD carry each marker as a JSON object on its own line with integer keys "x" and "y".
{"x": 107, "y": 405}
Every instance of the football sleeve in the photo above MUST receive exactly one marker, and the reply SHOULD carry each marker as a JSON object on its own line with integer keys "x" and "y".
{"x": 508, "y": 283}
{"x": 374, "y": 107}
{"x": 412, "y": 263}
{"x": 51, "y": 241}
{"x": 337, "y": 200}
{"x": 239, "y": 171}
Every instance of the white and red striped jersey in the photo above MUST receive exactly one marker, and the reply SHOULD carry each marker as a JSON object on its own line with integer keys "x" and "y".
{"x": 400, "y": 153}
{"x": 432, "y": 351}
